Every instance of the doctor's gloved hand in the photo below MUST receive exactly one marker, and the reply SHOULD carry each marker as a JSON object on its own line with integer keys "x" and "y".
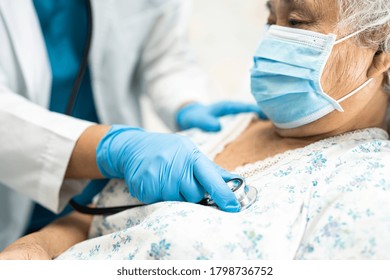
{"x": 206, "y": 117}
{"x": 163, "y": 167}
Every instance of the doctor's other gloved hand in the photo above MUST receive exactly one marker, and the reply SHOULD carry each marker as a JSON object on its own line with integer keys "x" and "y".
{"x": 163, "y": 167}
{"x": 206, "y": 117}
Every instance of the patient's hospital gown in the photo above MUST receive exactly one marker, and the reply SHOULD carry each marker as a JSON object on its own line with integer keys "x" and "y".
{"x": 329, "y": 200}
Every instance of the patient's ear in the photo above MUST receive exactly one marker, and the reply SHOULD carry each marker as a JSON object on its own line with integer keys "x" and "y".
{"x": 380, "y": 64}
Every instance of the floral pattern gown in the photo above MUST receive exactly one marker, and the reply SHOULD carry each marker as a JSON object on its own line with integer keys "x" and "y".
{"x": 329, "y": 200}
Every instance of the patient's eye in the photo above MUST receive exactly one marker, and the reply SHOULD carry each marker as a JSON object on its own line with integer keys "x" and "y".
{"x": 295, "y": 22}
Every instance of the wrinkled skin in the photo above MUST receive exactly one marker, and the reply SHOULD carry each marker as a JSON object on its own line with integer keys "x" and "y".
{"x": 348, "y": 67}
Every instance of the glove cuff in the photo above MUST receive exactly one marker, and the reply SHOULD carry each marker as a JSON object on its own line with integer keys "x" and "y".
{"x": 108, "y": 163}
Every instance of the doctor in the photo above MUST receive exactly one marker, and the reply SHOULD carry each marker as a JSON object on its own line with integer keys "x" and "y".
{"x": 71, "y": 74}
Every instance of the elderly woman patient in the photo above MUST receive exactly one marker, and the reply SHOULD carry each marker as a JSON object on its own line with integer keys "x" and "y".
{"x": 321, "y": 163}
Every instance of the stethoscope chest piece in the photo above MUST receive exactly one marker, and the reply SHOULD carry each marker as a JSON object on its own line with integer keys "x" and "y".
{"x": 246, "y": 195}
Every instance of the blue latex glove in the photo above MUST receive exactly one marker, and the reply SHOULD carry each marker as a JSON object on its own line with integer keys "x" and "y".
{"x": 163, "y": 167}
{"x": 206, "y": 117}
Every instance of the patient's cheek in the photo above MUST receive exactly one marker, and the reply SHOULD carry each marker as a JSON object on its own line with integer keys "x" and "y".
{"x": 345, "y": 71}
{"x": 335, "y": 76}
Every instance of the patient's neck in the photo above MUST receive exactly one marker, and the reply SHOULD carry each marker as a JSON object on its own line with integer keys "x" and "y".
{"x": 258, "y": 142}
{"x": 262, "y": 139}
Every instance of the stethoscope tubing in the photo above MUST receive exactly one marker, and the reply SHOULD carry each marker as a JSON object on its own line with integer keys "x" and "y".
{"x": 83, "y": 65}
{"x": 107, "y": 211}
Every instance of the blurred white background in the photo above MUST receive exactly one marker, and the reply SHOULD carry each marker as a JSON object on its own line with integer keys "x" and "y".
{"x": 224, "y": 35}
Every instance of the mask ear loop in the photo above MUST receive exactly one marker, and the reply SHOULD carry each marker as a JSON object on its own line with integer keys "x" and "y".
{"x": 349, "y": 36}
{"x": 355, "y": 91}
{"x": 363, "y": 85}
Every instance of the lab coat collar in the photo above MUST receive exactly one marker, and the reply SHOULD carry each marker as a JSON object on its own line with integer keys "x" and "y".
{"x": 30, "y": 49}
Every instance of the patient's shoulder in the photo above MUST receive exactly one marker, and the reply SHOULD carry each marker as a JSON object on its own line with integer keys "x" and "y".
{"x": 367, "y": 145}
{"x": 361, "y": 162}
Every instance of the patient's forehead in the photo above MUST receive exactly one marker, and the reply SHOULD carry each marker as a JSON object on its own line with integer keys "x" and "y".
{"x": 327, "y": 4}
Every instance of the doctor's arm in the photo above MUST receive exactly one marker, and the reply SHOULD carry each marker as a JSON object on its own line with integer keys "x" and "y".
{"x": 36, "y": 146}
{"x": 51, "y": 241}
{"x": 43, "y": 148}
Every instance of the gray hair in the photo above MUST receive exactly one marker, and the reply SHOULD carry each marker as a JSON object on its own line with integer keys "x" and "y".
{"x": 372, "y": 16}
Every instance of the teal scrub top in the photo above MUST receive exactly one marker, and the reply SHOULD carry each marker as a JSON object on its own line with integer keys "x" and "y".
{"x": 64, "y": 25}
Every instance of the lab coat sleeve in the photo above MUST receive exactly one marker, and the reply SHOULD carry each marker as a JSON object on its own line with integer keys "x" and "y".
{"x": 171, "y": 75}
{"x": 35, "y": 148}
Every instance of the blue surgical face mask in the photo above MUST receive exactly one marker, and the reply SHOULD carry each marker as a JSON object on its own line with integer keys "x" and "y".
{"x": 286, "y": 77}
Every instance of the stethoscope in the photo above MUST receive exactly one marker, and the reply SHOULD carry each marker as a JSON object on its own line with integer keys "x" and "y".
{"x": 83, "y": 65}
{"x": 245, "y": 194}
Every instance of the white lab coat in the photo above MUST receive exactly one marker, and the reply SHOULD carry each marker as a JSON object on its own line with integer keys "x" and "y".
{"x": 138, "y": 46}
